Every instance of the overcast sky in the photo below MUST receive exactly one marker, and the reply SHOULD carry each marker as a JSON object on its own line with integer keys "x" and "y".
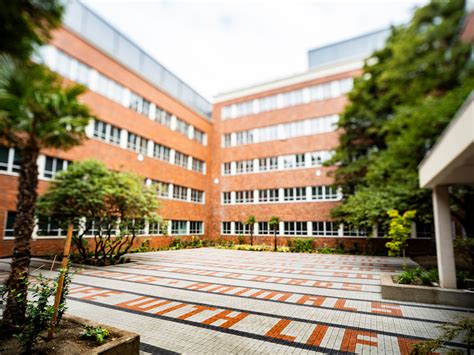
{"x": 216, "y": 46}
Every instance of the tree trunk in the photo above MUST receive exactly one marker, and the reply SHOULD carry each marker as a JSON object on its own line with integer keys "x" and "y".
{"x": 251, "y": 239}
{"x": 17, "y": 284}
{"x": 275, "y": 239}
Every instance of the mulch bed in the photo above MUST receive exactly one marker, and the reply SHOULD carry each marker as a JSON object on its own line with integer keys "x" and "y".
{"x": 66, "y": 341}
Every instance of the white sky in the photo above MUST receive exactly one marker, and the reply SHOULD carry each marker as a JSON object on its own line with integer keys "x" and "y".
{"x": 216, "y": 46}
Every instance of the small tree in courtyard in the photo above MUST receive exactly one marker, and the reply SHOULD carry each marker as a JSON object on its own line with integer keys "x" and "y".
{"x": 36, "y": 112}
{"x": 400, "y": 229}
{"x": 112, "y": 206}
{"x": 250, "y": 222}
{"x": 274, "y": 224}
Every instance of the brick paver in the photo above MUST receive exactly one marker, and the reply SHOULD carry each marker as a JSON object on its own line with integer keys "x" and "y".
{"x": 228, "y": 301}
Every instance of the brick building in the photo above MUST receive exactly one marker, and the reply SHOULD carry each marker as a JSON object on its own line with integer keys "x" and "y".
{"x": 257, "y": 151}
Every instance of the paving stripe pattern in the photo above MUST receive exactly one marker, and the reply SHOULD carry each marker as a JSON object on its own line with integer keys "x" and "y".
{"x": 228, "y": 301}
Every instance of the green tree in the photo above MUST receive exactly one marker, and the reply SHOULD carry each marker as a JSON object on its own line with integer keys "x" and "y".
{"x": 400, "y": 229}
{"x": 274, "y": 223}
{"x": 25, "y": 24}
{"x": 406, "y": 96}
{"x": 36, "y": 112}
{"x": 113, "y": 206}
{"x": 251, "y": 220}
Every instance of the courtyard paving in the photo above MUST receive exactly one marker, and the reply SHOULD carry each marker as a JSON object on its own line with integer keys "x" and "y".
{"x": 227, "y": 301}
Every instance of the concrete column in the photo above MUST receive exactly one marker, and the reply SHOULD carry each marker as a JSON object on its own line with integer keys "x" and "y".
{"x": 444, "y": 238}
{"x": 281, "y": 228}
{"x": 413, "y": 230}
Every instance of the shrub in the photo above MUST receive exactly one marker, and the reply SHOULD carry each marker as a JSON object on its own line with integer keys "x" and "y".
{"x": 99, "y": 334}
{"x": 325, "y": 250}
{"x": 302, "y": 246}
{"x": 462, "y": 329}
{"x": 39, "y": 308}
{"x": 400, "y": 229}
{"x": 241, "y": 239}
{"x": 418, "y": 276}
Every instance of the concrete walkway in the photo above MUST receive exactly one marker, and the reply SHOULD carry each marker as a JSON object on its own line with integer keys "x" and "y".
{"x": 227, "y": 301}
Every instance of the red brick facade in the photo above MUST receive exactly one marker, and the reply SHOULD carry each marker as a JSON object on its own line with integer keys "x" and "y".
{"x": 212, "y": 182}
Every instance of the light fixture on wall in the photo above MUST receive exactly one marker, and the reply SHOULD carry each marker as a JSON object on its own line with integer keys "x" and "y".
{"x": 140, "y": 157}
{"x": 216, "y": 181}
{"x": 318, "y": 172}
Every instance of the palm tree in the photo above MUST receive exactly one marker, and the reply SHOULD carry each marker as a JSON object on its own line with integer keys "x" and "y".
{"x": 36, "y": 112}
{"x": 251, "y": 220}
{"x": 274, "y": 222}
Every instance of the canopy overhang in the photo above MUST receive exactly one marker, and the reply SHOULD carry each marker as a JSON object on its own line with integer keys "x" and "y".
{"x": 451, "y": 161}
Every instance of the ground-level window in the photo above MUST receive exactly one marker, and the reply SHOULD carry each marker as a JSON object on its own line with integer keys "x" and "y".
{"x": 54, "y": 165}
{"x": 322, "y": 228}
{"x": 9, "y": 221}
{"x": 179, "y": 227}
{"x": 48, "y": 227}
{"x": 349, "y": 231}
{"x": 264, "y": 228}
{"x": 195, "y": 227}
{"x": 296, "y": 228}
{"x": 226, "y": 227}
{"x": 241, "y": 228}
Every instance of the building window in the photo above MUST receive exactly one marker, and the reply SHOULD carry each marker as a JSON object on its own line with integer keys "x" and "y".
{"x": 9, "y": 222}
{"x": 161, "y": 152}
{"x": 244, "y": 166}
{"x": 195, "y": 227}
{"x": 317, "y": 192}
{"x": 100, "y": 130}
{"x": 10, "y": 160}
{"x": 249, "y": 166}
{"x": 244, "y": 137}
{"x": 181, "y": 159}
{"x": 162, "y": 188}
{"x": 270, "y": 163}
{"x": 198, "y": 165}
{"x": 244, "y": 196}
{"x": 47, "y": 227}
{"x": 241, "y": 228}
{"x": 163, "y": 117}
{"x": 54, "y": 165}
{"x": 197, "y": 196}
{"x": 179, "y": 227}
{"x": 199, "y": 136}
{"x": 226, "y": 199}
{"x": 264, "y": 228}
{"x": 227, "y": 140}
{"x": 226, "y": 227}
{"x": 268, "y": 195}
{"x": 349, "y": 231}
{"x": 289, "y": 162}
{"x": 182, "y": 127}
{"x": 331, "y": 193}
{"x": 227, "y": 168}
{"x": 325, "y": 229}
{"x": 295, "y": 194}
{"x": 114, "y": 135}
{"x": 299, "y": 160}
{"x": 155, "y": 228}
{"x": 180, "y": 192}
{"x": 296, "y": 228}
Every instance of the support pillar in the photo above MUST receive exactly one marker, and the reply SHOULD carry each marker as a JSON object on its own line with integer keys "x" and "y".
{"x": 444, "y": 238}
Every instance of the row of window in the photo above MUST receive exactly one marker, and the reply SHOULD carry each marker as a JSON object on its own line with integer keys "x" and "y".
{"x": 318, "y": 92}
{"x": 47, "y": 227}
{"x": 75, "y": 70}
{"x": 319, "y": 228}
{"x": 288, "y": 194}
{"x": 177, "y": 192}
{"x": 281, "y": 131}
{"x": 10, "y": 161}
{"x": 277, "y": 163}
{"x": 113, "y": 135}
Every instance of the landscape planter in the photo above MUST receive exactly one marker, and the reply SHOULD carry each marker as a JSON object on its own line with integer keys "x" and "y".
{"x": 125, "y": 342}
{"x": 67, "y": 340}
{"x": 424, "y": 294}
